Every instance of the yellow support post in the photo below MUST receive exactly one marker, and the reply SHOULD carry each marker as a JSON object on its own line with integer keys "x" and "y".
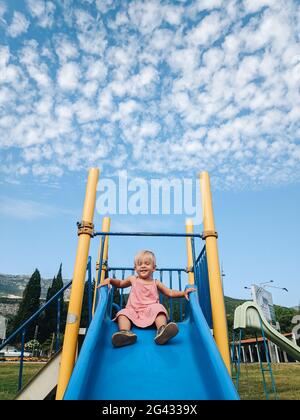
{"x": 215, "y": 282}
{"x": 189, "y": 228}
{"x": 85, "y": 232}
{"x": 105, "y": 228}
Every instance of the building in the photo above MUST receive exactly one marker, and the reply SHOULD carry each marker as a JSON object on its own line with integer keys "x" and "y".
{"x": 253, "y": 351}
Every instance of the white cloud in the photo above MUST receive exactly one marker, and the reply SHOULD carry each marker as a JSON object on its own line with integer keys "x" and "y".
{"x": 68, "y": 76}
{"x": 84, "y": 111}
{"x": 105, "y": 104}
{"x": 126, "y": 109}
{"x": 18, "y": 26}
{"x": 105, "y": 5}
{"x": 37, "y": 71}
{"x": 64, "y": 111}
{"x": 173, "y": 14}
{"x": 252, "y": 6}
{"x": 149, "y": 129}
{"x": 90, "y": 88}
{"x": 91, "y": 33}
{"x": 213, "y": 59}
{"x": 43, "y": 11}
{"x": 65, "y": 49}
{"x": 44, "y": 106}
{"x": 145, "y": 16}
{"x": 161, "y": 39}
{"x": 208, "y": 30}
{"x": 3, "y": 10}
{"x": 96, "y": 70}
{"x": 4, "y": 55}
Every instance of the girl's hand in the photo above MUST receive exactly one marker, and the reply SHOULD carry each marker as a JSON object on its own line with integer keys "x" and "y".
{"x": 187, "y": 291}
{"x": 106, "y": 282}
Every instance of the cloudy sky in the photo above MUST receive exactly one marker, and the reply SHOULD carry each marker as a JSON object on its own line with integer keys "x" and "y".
{"x": 161, "y": 89}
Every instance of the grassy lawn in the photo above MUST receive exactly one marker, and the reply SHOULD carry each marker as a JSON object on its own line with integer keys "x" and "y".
{"x": 286, "y": 376}
{"x": 9, "y": 374}
{"x": 287, "y": 379}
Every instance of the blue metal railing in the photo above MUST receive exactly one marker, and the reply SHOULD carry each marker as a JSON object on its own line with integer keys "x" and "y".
{"x": 171, "y": 280}
{"x": 24, "y": 327}
{"x": 170, "y": 271}
{"x": 202, "y": 282}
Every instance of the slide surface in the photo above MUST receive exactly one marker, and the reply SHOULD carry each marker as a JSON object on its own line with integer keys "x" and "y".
{"x": 188, "y": 367}
{"x": 249, "y": 315}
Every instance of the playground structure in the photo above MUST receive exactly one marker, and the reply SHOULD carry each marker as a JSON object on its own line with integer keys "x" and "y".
{"x": 195, "y": 366}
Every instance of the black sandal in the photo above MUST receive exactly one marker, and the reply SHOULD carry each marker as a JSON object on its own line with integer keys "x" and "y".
{"x": 166, "y": 332}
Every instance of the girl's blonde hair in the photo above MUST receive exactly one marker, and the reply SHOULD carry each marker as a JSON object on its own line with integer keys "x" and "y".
{"x": 145, "y": 253}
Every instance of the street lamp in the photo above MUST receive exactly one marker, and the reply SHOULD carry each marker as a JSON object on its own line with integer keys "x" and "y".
{"x": 266, "y": 282}
{"x": 280, "y": 288}
{"x": 265, "y": 285}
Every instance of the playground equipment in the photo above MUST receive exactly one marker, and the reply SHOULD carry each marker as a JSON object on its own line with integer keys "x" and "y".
{"x": 195, "y": 368}
{"x": 250, "y": 315}
{"x": 195, "y": 365}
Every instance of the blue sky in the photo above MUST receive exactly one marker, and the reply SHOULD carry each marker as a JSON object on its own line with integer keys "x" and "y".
{"x": 160, "y": 89}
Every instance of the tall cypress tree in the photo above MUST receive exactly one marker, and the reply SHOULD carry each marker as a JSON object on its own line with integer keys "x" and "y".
{"x": 49, "y": 320}
{"x": 30, "y": 304}
{"x": 85, "y": 307}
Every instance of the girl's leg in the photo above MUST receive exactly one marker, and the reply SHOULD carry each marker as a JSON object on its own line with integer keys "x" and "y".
{"x": 124, "y": 336}
{"x": 161, "y": 320}
{"x": 124, "y": 323}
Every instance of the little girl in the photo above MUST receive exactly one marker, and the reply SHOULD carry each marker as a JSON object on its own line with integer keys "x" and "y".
{"x": 143, "y": 307}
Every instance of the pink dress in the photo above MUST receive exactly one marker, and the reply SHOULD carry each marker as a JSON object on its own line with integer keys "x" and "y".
{"x": 143, "y": 304}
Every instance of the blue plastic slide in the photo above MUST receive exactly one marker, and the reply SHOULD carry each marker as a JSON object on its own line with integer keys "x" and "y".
{"x": 189, "y": 367}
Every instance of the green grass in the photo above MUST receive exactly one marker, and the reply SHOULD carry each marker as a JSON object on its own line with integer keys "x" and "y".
{"x": 287, "y": 379}
{"x": 9, "y": 374}
{"x": 286, "y": 376}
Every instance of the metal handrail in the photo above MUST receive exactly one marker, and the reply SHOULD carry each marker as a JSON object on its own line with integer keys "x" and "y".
{"x": 184, "y": 235}
{"x": 161, "y": 271}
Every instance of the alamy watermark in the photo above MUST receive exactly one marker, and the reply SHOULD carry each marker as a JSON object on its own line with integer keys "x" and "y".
{"x": 139, "y": 196}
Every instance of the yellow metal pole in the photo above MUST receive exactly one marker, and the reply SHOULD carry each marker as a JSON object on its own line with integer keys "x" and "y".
{"x": 215, "y": 283}
{"x": 189, "y": 228}
{"x": 105, "y": 228}
{"x": 85, "y": 230}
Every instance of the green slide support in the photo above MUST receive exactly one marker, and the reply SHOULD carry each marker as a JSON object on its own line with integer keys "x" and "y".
{"x": 249, "y": 315}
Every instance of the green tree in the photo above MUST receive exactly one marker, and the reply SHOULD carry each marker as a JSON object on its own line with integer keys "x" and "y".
{"x": 30, "y": 304}
{"x": 284, "y": 316}
{"x": 85, "y": 305}
{"x": 49, "y": 319}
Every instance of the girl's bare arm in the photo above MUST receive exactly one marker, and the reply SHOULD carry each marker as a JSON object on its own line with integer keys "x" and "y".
{"x": 173, "y": 293}
{"x": 120, "y": 284}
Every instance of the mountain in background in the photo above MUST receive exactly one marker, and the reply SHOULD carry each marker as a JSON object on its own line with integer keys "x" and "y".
{"x": 12, "y": 286}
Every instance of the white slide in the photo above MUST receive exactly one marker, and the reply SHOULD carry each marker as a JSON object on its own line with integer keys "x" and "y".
{"x": 249, "y": 315}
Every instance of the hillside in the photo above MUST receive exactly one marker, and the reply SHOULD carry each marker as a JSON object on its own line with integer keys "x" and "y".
{"x": 231, "y": 304}
{"x": 11, "y": 292}
{"x": 12, "y": 286}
